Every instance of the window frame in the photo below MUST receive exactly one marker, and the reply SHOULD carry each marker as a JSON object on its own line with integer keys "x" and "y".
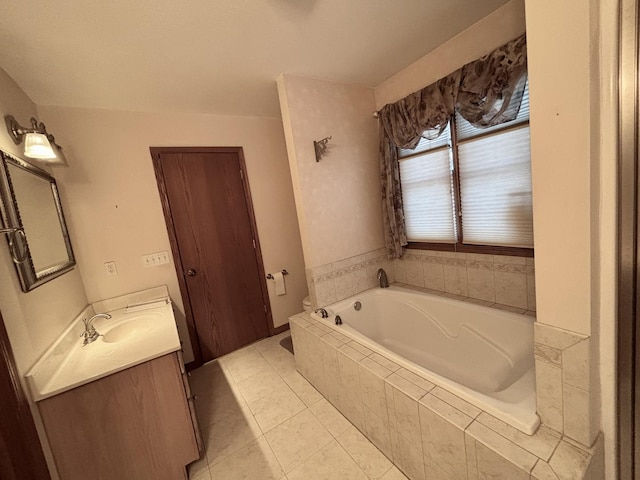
{"x": 460, "y": 246}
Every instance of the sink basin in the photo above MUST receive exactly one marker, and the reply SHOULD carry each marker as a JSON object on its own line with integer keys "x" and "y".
{"x": 139, "y": 326}
{"x": 127, "y": 339}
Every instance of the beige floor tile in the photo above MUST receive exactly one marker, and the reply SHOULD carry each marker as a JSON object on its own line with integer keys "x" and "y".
{"x": 330, "y": 417}
{"x": 254, "y": 461}
{"x": 330, "y": 463}
{"x": 230, "y": 431}
{"x": 208, "y": 378}
{"x": 201, "y": 475}
{"x": 199, "y": 469}
{"x": 270, "y": 342}
{"x": 247, "y": 365}
{"x": 237, "y": 354}
{"x": 297, "y": 439}
{"x": 257, "y": 390}
{"x": 212, "y": 406}
{"x": 394, "y": 474}
{"x": 261, "y": 384}
{"x": 370, "y": 460}
{"x": 280, "y": 359}
{"x": 302, "y": 388}
{"x": 275, "y": 407}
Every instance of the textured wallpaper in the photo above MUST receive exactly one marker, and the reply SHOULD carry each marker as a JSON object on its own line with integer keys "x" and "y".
{"x": 338, "y": 198}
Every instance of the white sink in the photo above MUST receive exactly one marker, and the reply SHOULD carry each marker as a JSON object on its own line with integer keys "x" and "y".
{"x": 127, "y": 339}
{"x": 137, "y": 326}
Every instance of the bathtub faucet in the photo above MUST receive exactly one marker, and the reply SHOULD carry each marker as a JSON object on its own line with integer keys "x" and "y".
{"x": 382, "y": 277}
{"x": 323, "y": 312}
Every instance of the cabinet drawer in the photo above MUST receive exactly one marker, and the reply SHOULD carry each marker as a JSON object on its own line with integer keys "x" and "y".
{"x": 191, "y": 401}
{"x": 196, "y": 427}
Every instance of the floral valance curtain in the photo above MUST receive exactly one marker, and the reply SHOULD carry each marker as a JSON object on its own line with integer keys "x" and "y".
{"x": 427, "y": 109}
{"x": 485, "y": 92}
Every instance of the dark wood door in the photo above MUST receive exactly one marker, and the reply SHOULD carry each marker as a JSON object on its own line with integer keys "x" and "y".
{"x": 214, "y": 230}
{"x": 21, "y": 456}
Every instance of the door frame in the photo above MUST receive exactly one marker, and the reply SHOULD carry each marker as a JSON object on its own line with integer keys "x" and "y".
{"x": 173, "y": 239}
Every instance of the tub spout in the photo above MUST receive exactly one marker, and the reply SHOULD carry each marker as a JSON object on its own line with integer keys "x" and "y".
{"x": 323, "y": 312}
{"x": 382, "y": 277}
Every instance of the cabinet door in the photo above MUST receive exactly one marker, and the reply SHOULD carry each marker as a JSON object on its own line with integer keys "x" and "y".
{"x": 132, "y": 424}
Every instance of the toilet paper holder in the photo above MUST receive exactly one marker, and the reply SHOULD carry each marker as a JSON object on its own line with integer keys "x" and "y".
{"x": 270, "y": 275}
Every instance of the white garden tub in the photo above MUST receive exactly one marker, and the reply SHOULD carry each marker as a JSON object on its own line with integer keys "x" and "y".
{"x": 484, "y": 355}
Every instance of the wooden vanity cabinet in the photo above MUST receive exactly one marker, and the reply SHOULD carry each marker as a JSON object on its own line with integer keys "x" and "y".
{"x": 134, "y": 424}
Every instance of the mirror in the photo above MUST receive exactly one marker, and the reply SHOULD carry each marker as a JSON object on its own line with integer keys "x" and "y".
{"x": 30, "y": 205}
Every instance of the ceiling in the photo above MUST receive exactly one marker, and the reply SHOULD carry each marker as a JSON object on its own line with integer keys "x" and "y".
{"x": 214, "y": 56}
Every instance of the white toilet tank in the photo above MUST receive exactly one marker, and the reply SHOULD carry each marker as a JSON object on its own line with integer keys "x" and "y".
{"x": 306, "y": 304}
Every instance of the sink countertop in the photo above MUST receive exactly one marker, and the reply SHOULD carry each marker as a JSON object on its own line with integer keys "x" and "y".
{"x": 67, "y": 364}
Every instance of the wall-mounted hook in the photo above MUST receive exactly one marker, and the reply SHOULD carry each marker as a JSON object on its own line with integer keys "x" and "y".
{"x": 320, "y": 147}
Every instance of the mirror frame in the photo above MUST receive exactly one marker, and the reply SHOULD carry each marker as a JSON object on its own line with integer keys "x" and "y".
{"x": 10, "y": 212}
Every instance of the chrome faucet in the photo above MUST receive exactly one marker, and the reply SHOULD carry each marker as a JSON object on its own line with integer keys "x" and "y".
{"x": 90, "y": 333}
{"x": 323, "y": 312}
{"x": 382, "y": 277}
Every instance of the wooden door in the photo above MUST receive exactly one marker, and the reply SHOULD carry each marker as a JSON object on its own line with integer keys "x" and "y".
{"x": 21, "y": 456}
{"x": 210, "y": 219}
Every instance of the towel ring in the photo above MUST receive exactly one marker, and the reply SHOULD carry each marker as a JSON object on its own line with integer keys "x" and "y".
{"x": 12, "y": 243}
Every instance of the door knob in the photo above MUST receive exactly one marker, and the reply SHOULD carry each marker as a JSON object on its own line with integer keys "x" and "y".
{"x": 191, "y": 272}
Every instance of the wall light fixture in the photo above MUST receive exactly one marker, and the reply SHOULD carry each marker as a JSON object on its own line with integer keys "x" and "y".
{"x": 321, "y": 146}
{"x": 38, "y": 143}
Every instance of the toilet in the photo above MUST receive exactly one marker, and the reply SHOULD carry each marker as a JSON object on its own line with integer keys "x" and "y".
{"x": 306, "y": 304}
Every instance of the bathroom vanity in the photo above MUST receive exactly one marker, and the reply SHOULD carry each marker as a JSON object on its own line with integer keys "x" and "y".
{"x": 119, "y": 407}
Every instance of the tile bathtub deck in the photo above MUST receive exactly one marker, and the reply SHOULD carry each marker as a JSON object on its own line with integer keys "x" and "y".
{"x": 261, "y": 420}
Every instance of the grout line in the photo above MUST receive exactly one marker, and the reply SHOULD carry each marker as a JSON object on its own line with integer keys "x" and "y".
{"x": 275, "y": 456}
{"x": 356, "y": 462}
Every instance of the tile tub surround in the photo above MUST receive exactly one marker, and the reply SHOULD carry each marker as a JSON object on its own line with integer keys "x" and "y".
{"x": 261, "y": 420}
{"x": 497, "y": 279}
{"x": 339, "y": 280}
{"x": 426, "y": 431}
{"x": 564, "y": 383}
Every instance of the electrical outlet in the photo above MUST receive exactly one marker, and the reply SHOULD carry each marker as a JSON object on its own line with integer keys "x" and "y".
{"x": 154, "y": 259}
{"x": 111, "y": 268}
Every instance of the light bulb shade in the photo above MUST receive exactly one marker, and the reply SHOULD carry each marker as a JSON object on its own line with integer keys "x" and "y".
{"x": 36, "y": 145}
{"x": 60, "y": 160}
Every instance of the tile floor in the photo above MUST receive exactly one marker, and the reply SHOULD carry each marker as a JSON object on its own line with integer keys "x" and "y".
{"x": 261, "y": 420}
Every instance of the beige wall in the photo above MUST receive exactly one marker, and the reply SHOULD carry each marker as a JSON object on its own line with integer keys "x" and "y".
{"x": 504, "y": 24}
{"x": 35, "y": 319}
{"x": 115, "y": 212}
{"x": 338, "y": 198}
{"x": 574, "y": 183}
{"x": 558, "y": 47}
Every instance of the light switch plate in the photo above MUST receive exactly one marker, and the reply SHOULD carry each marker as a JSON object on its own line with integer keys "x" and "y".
{"x": 154, "y": 259}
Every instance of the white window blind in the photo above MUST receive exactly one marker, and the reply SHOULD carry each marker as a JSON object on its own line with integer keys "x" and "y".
{"x": 428, "y": 197}
{"x": 495, "y": 189}
{"x": 494, "y": 184}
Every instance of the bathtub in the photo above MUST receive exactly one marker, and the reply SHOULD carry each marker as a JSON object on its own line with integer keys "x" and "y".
{"x": 481, "y": 354}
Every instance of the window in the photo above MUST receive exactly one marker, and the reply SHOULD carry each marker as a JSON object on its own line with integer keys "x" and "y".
{"x": 470, "y": 189}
